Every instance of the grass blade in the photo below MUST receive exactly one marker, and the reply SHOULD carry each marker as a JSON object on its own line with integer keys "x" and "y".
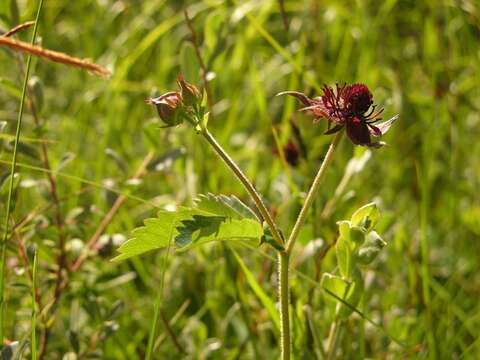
{"x": 10, "y": 189}
{"x": 33, "y": 342}
{"x": 257, "y": 289}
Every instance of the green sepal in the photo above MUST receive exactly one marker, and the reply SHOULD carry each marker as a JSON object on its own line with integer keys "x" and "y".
{"x": 366, "y": 217}
{"x": 370, "y": 249}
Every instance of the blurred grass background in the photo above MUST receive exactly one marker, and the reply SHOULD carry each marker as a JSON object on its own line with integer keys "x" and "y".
{"x": 420, "y": 59}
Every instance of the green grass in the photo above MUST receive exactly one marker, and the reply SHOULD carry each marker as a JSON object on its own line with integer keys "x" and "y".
{"x": 420, "y": 58}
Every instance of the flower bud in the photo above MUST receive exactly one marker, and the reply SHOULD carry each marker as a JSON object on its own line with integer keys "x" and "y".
{"x": 190, "y": 93}
{"x": 169, "y": 107}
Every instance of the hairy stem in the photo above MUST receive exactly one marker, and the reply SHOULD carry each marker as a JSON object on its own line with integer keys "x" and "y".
{"x": 284, "y": 256}
{"x": 284, "y": 294}
{"x": 312, "y": 192}
{"x": 247, "y": 184}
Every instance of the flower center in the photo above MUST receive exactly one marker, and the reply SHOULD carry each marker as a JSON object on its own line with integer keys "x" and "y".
{"x": 358, "y": 98}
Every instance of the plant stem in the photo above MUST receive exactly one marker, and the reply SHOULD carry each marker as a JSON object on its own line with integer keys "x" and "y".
{"x": 332, "y": 339}
{"x": 312, "y": 192}
{"x": 33, "y": 342}
{"x": 12, "y": 173}
{"x": 284, "y": 294}
{"x": 247, "y": 185}
{"x": 284, "y": 256}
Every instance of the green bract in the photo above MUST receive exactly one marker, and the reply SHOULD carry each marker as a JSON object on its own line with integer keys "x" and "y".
{"x": 357, "y": 244}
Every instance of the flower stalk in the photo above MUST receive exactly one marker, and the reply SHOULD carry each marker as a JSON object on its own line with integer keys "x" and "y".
{"x": 284, "y": 257}
{"x": 267, "y": 217}
{"x": 349, "y": 109}
{"x": 284, "y": 299}
{"x": 312, "y": 192}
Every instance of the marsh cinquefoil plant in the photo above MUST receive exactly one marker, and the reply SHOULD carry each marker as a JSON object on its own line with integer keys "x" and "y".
{"x": 226, "y": 218}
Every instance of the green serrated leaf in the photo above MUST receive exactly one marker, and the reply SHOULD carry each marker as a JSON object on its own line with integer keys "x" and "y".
{"x": 217, "y": 218}
{"x": 223, "y": 205}
{"x": 156, "y": 234}
{"x": 366, "y": 217}
{"x": 202, "y": 229}
{"x": 370, "y": 249}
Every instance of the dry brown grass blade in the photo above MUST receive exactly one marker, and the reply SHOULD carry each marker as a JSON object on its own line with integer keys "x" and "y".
{"x": 19, "y": 28}
{"x": 53, "y": 56}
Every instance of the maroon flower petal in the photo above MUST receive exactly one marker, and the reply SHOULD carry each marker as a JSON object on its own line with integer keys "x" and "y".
{"x": 358, "y": 132}
{"x": 300, "y": 96}
{"x": 385, "y": 126}
{"x": 375, "y": 131}
{"x": 333, "y": 130}
{"x": 357, "y": 98}
{"x": 317, "y": 109}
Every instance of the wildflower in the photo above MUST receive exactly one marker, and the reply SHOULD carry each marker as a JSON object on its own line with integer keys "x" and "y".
{"x": 169, "y": 107}
{"x": 349, "y": 106}
{"x": 190, "y": 93}
{"x": 291, "y": 153}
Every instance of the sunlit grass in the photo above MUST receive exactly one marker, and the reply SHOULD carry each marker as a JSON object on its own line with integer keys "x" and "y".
{"x": 420, "y": 60}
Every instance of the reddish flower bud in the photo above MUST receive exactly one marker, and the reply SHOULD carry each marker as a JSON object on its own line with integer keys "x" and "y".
{"x": 291, "y": 153}
{"x": 190, "y": 93}
{"x": 169, "y": 107}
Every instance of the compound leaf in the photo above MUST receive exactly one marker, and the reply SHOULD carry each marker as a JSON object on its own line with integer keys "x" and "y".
{"x": 157, "y": 233}
{"x": 202, "y": 229}
{"x": 229, "y": 206}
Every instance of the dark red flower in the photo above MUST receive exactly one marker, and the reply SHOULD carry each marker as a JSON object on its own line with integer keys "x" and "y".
{"x": 169, "y": 107}
{"x": 291, "y": 153}
{"x": 358, "y": 98}
{"x": 349, "y": 106}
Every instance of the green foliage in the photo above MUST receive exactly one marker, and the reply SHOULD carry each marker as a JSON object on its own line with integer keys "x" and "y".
{"x": 202, "y": 229}
{"x": 366, "y": 217}
{"x": 357, "y": 244}
{"x": 215, "y": 218}
{"x": 229, "y": 206}
{"x": 259, "y": 292}
{"x": 369, "y": 250}
{"x": 156, "y": 234}
{"x": 420, "y": 59}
